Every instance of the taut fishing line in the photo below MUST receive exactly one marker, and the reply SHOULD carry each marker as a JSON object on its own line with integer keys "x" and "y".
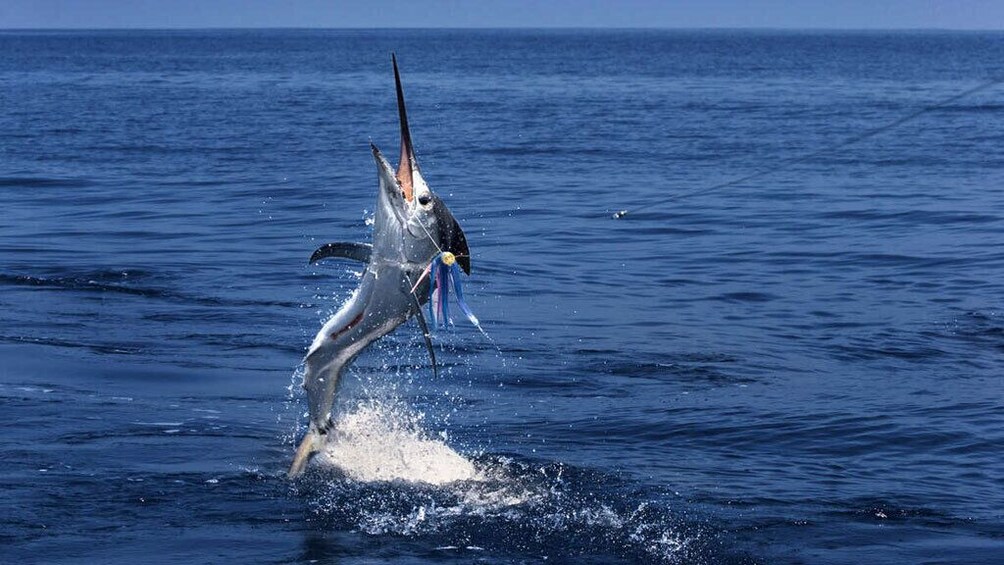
{"x": 785, "y": 163}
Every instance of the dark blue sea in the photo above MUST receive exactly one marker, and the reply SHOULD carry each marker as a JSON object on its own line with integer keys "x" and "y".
{"x": 807, "y": 367}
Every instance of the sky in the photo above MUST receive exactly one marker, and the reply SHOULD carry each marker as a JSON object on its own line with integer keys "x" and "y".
{"x": 791, "y": 14}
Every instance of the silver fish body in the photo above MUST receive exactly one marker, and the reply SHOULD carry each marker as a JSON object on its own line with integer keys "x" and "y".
{"x": 411, "y": 227}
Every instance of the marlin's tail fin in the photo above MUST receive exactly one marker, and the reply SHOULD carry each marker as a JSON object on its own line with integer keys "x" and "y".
{"x": 311, "y": 444}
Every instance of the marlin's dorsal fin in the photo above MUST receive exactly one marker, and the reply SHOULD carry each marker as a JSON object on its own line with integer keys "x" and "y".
{"x": 347, "y": 250}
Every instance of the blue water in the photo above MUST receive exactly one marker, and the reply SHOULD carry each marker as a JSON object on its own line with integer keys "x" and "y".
{"x": 803, "y": 368}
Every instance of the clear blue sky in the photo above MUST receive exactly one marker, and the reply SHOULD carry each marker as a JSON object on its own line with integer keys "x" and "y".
{"x": 853, "y": 14}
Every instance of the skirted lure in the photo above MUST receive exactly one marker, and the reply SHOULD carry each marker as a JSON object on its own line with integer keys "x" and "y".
{"x": 445, "y": 273}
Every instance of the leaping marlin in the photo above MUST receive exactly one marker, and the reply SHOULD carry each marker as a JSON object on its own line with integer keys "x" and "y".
{"x": 412, "y": 226}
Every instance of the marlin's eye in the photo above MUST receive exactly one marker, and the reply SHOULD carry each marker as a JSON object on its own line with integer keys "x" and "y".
{"x": 424, "y": 199}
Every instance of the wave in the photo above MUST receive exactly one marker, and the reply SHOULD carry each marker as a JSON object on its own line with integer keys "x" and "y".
{"x": 973, "y": 108}
{"x": 103, "y": 349}
{"x": 43, "y": 182}
{"x": 120, "y": 282}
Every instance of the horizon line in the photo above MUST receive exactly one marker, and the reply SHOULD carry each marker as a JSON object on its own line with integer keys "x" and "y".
{"x": 505, "y": 28}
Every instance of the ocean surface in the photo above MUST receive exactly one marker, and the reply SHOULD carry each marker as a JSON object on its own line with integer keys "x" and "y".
{"x": 807, "y": 367}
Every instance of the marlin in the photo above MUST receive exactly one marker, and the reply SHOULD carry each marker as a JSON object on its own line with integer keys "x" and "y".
{"x": 412, "y": 227}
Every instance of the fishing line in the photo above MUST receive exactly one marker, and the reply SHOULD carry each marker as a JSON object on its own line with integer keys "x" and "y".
{"x": 427, "y": 234}
{"x": 785, "y": 163}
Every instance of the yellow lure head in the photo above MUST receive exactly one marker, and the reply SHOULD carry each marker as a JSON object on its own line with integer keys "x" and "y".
{"x": 448, "y": 258}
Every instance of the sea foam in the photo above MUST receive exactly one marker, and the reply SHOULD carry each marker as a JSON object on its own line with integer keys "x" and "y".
{"x": 381, "y": 441}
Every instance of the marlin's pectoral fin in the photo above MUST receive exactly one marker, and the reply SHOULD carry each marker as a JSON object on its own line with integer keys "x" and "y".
{"x": 347, "y": 250}
{"x": 458, "y": 246}
{"x": 453, "y": 238}
{"x": 425, "y": 333}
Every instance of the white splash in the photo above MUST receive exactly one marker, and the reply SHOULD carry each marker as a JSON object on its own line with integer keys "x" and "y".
{"x": 381, "y": 442}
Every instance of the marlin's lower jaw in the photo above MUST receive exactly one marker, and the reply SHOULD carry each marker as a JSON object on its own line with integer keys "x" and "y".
{"x": 390, "y": 195}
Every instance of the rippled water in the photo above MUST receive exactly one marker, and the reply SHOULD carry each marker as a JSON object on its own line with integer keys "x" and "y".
{"x": 802, "y": 368}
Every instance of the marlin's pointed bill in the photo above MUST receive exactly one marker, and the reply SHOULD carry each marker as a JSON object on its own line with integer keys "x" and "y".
{"x": 408, "y": 163}
{"x": 411, "y": 227}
